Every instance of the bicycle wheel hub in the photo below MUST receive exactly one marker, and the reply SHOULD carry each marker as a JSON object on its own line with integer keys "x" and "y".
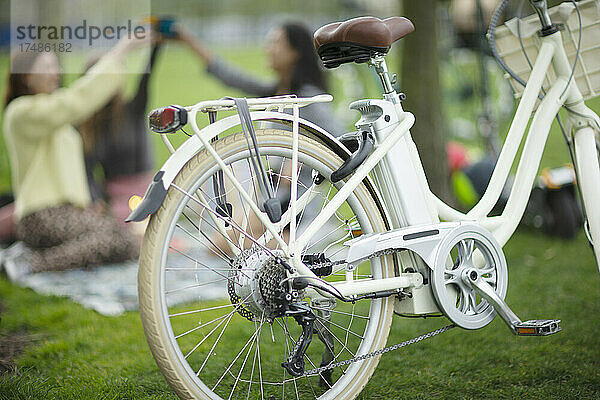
{"x": 255, "y": 282}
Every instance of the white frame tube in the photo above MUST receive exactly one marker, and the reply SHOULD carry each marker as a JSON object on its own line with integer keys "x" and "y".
{"x": 515, "y": 133}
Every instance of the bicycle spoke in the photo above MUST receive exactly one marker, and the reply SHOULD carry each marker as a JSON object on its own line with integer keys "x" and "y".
{"x": 255, "y": 192}
{"x": 225, "y": 318}
{"x": 195, "y": 285}
{"x": 234, "y": 249}
{"x": 350, "y": 323}
{"x": 336, "y": 338}
{"x": 250, "y": 340}
{"x": 293, "y": 204}
{"x": 221, "y": 265}
{"x": 196, "y": 261}
{"x": 310, "y": 246}
{"x": 222, "y": 256}
{"x": 279, "y": 175}
{"x": 332, "y": 255}
{"x": 289, "y": 336}
{"x": 212, "y": 349}
{"x": 340, "y": 312}
{"x": 241, "y": 370}
{"x": 220, "y": 226}
{"x": 309, "y": 360}
{"x": 228, "y": 220}
{"x": 201, "y": 310}
{"x": 198, "y": 269}
{"x": 262, "y": 392}
{"x": 286, "y": 217}
{"x": 285, "y": 355}
{"x": 246, "y": 221}
{"x": 210, "y": 322}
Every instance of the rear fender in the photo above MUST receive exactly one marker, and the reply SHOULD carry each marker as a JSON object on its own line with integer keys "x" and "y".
{"x": 157, "y": 191}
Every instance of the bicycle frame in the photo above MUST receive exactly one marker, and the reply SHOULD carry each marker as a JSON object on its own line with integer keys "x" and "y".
{"x": 396, "y": 168}
{"x": 422, "y": 257}
{"x": 422, "y": 206}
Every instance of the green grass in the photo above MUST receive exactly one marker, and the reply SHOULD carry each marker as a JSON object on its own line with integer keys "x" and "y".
{"x": 85, "y": 355}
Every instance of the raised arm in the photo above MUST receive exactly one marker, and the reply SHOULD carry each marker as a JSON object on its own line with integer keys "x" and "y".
{"x": 140, "y": 100}
{"x": 44, "y": 113}
{"x": 226, "y": 73}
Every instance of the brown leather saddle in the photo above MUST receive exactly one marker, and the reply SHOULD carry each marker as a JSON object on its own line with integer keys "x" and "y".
{"x": 358, "y": 39}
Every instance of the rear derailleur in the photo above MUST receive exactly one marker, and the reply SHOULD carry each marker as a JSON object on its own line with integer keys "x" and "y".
{"x": 305, "y": 317}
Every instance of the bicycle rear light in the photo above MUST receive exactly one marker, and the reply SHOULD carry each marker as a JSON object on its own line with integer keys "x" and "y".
{"x": 167, "y": 119}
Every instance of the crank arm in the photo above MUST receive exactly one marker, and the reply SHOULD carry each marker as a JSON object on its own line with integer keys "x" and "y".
{"x": 534, "y": 327}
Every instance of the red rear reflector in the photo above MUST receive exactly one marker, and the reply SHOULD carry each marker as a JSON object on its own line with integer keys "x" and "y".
{"x": 167, "y": 119}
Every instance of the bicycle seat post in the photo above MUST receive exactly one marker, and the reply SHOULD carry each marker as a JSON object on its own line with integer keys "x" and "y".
{"x": 378, "y": 63}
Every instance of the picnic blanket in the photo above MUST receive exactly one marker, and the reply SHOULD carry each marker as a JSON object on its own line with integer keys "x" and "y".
{"x": 112, "y": 289}
{"x": 108, "y": 289}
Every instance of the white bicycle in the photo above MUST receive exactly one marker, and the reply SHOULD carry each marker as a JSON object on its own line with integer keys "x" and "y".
{"x": 275, "y": 258}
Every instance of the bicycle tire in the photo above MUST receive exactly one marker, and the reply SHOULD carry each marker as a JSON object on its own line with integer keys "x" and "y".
{"x": 158, "y": 323}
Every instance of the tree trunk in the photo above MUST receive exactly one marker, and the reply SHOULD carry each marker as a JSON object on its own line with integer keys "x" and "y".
{"x": 421, "y": 83}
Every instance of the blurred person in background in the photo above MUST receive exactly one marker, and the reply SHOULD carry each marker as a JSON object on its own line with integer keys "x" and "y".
{"x": 116, "y": 140}
{"x": 292, "y": 56}
{"x": 52, "y": 199}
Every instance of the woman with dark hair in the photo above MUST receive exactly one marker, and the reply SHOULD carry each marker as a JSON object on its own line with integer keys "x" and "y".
{"x": 52, "y": 198}
{"x": 292, "y": 56}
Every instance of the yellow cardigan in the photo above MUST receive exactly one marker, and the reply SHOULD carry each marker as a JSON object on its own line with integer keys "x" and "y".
{"x": 46, "y": 151}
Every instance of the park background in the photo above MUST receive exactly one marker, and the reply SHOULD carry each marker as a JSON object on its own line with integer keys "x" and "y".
{"x": 52, "y": 348}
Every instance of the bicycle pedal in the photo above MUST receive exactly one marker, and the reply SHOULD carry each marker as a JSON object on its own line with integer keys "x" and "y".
{"x": 538, "y": 327}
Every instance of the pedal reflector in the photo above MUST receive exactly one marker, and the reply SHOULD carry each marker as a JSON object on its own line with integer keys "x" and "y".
{"x": 538, "y": 327}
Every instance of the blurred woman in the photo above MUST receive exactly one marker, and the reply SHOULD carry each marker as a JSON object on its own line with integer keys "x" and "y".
{"x": 292, "y": 56}
{"x": 52, "y": 198}
{"x": 115, "y": 139}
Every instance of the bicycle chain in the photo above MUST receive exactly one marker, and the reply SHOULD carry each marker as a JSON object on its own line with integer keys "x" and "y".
{"x": 317, "y": 371}
{"x": 232, "y": 277}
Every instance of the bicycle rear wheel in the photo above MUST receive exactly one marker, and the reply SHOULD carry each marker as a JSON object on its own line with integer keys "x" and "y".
{"x": 208, "y": 337}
